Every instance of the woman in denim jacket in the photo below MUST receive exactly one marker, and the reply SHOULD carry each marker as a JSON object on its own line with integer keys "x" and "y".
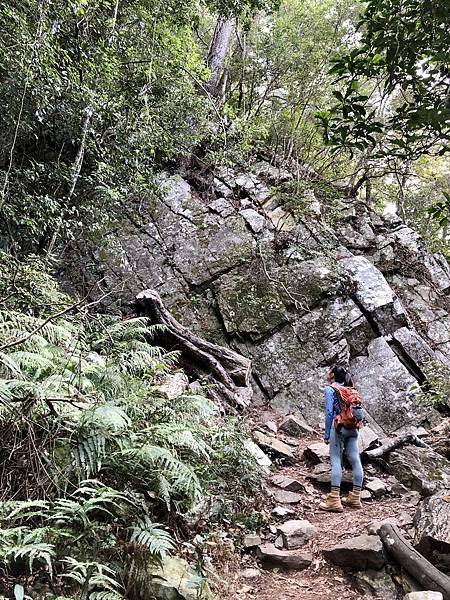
{"x": 340, "y": 440}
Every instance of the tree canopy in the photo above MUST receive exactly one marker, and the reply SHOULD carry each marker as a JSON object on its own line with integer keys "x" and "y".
{"x": 393, "y": 88}
{"x": 99, "y": 97}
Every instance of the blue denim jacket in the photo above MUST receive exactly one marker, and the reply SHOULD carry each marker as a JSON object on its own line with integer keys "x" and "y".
{"x": 332, "y": 408}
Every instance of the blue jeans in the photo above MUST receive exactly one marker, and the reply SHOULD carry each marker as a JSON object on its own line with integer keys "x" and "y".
{"x": 345, "y": 439}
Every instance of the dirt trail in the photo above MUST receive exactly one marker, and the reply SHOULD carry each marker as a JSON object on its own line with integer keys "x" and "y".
{"x": 321, "y": 581}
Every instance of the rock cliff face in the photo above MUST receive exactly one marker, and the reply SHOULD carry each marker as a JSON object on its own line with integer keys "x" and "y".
{"x": 239, "y": 266}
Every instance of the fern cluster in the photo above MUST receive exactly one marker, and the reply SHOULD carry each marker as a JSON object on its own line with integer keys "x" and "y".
{"x": 95, "y": 458}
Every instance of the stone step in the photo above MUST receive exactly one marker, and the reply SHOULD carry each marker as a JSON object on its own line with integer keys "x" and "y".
{"x": 287, "y": 559}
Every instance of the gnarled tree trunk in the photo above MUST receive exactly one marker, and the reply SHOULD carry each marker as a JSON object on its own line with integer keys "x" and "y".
{"x": 228, "y": 371}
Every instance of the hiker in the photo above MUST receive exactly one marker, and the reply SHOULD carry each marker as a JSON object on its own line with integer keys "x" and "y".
{"x": 342, "y": 405}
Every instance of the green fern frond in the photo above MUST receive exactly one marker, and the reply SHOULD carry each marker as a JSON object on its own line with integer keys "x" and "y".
{"x": 109, "y": 380}
{"x": 196, "y": 406}
{"x": 178, "y": 436}
{"x": 151, "y": 535}
{"x": 14, "y": 326}
{"x": 181, "y": 476}
{"x": 5, "y": 392}
{"x": 91, "y": 498}
{"x": 70, "y": 513}
{"x": 130, "y": 329}
{"x": 32, "y": 361}
{"x": 22, "y": 510}
{"x": 95, "y": 574}
{"x": 33, "y": 552}
{"x": 20, "y": 388}
{"x": 89, "y": 454}
{"x": 10, "y": 366}
{"x": 163, "y": 489}
{"x": 106, "y": 596}
{"x": 106, "y": 416}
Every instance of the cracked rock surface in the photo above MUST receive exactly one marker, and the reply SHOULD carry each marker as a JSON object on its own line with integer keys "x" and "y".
{"x": 291, "y": 293}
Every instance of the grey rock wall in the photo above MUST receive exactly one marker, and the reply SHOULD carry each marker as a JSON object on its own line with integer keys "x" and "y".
{"x": 240, "y": 267}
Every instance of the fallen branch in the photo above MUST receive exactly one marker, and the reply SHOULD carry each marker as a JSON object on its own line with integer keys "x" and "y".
{"x": 76, "y": 305}
{"x": 41, "y": 325}
{"x": 414, "y": 563}
{"x": 227, "y": 369}
{"x": 406, "y": 438}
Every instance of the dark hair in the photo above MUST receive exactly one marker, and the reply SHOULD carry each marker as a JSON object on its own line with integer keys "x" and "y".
{"x": 341, "y": 375}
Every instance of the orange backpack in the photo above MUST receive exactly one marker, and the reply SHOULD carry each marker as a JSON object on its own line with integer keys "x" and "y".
{"x": 351, "y": 402}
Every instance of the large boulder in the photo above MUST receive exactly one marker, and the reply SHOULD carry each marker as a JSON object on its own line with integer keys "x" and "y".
{"x": 174, "y": 579}
{"x": 360, "y": 553}
{"x": 249, "y": 302}
{"x": 279, "y": 360}
{"x": 286, "y": 369}
{"x": 416, "y": 350}
{"x": 254, "y": 298}
{"x": 336, "y": 331}
{"x": 348, "y": 319}
{"x": 429, "y": 310}
{"x": 374, "y": 295}
{"x": 388, "y": 388}
{"x": 289, "y": 363}
{"x": 420, "y": 469}
{"x": 403, "y": 250}
{"x": 432, "y": 537}
{"x": 206, "y": 244}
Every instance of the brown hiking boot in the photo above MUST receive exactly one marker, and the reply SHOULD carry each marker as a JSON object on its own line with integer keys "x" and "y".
{"x": 332, "y": 503}
{"x": 353, "y": 500}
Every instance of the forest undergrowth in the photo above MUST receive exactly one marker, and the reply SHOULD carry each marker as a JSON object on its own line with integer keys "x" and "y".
{"x": 103, "y": 473}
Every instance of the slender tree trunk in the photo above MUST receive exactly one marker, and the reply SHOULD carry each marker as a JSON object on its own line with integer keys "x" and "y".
{"x": 400, "y": 209}
{"x": 243, "y": 45}
{"x": 357, "y": 180}
{"x": 217, "y": 53}
{"x": 369, "y": 191}
{"x": 401, "y": 198}
{"x": 88, "y": 114}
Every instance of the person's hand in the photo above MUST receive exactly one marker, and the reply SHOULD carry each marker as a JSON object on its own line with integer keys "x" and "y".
{"x": 326, "y": 440}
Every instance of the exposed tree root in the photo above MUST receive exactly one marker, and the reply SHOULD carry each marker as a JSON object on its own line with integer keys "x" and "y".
{"x": 227, "y": 370}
